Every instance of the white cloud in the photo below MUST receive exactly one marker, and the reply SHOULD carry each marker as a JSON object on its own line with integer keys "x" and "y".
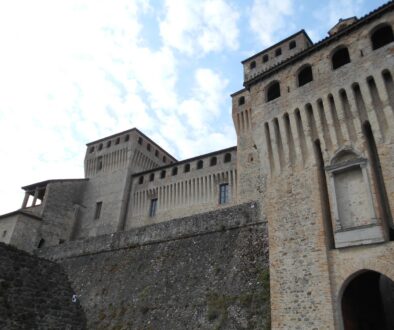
{"x": 268, "y": 18}
{"x": 194, "y": 26}
{"x": 74, "y": 71}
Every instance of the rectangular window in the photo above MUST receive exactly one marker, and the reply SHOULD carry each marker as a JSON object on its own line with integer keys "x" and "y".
{"x": 97, "y": 213}
{"x": 153, "y": 207}
{"x": 223, "y": 193}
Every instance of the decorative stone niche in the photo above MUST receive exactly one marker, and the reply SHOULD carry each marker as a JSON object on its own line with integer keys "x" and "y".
{"x": 352, "y": 201}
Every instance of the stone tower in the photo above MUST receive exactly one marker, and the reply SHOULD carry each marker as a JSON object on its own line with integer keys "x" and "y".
{"x": 321, "y": 119}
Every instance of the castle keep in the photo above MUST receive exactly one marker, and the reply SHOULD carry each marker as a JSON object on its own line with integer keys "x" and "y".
{"x": 310, "y": 183}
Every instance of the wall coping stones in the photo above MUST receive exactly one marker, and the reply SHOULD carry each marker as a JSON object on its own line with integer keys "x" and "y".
{"x": 237, "y": 216}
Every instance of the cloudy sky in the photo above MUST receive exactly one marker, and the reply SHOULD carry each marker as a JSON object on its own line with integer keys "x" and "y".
{"x": 72, "y": 71}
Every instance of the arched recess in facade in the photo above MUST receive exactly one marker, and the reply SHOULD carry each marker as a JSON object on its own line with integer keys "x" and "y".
{"x": 367, "y": 301}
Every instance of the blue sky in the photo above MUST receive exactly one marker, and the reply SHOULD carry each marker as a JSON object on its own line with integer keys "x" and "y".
{"x": 72, "y": 71}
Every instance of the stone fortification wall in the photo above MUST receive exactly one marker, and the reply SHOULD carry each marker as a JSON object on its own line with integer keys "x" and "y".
{"x": 35, "y": 294}
{"x": 208, "y": 271}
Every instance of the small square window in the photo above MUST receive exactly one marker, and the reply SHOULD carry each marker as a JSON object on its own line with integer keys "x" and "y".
{"x": 265, "y": 58}
{"x": 292, "y": 44}
{"x": 278, "y": 52}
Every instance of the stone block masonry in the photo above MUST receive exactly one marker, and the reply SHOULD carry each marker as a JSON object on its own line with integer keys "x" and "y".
{"x": 208, "y": 271}
{"x": 35, "y": 294}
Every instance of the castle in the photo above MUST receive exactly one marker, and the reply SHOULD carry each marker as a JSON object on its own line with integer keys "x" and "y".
{"x": 315, "y": 153}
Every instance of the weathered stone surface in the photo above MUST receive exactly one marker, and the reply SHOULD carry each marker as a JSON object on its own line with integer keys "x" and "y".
{"x": 35, "y": 294}
{"x": 203, "y": 272}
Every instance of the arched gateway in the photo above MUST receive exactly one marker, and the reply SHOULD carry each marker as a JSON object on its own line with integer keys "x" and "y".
{"x": 368, "y": 302}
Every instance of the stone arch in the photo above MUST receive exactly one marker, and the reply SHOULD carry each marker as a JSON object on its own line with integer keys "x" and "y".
{"x": 340, "y": 56}
{"x": 381, "y": 35}
{"x": 272, "y": 91}
{"x": 304, "y": 75}
{"x": 366, "y": 298}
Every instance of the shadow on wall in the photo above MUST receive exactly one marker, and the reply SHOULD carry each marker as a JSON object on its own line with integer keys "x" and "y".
{"x": 36, "y": 294}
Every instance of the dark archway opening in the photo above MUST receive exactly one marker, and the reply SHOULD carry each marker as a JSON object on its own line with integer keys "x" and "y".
{"x": 273, "y": 91}
{"x": 382, "y": 37}
{"x": 305, "y": 76}
{"x": 368, "y": 302}
{"x": 340, "y": 58}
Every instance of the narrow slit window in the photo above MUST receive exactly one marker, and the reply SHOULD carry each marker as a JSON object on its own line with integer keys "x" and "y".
{"x": 223, "y": 193}
{"x": 153, "y": 207}
{"x": 97, "y": 211}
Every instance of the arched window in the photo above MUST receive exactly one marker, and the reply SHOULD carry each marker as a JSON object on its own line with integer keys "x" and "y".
{"x": 117, "y": 141}
{"x": 252, "y": 64}
{"x": 139, "y": 140}
{"x": 127, "y": 138}
{"x": 91, "y": 149}
{"x": 100, "y": 146}
{"x": 163, "y": 174}
{"x": 292, "y": 44}
{"x": 141, "y": 180}
{"x": 213, "y": 161}
{"x": 200, "y": 164}
{"x": 148, "y": 146}
{"x": 227, "y": 158}
{"x": 273, "y": 91}
{"x": 340, "y": 58}
{"x": 382, "y": 36}
{"x": 164, "y": 159}
{"x": 305, "y": 75}
{"x": 265, "y": 58}
{"x": 175, "y": 171}
{"x": 278, "y": 51}
{"x": 151, "y": 176}
{"x": 157, "y": 153}
{"x": 186, "y": 168}
{"x": 241, "y": 100}
{"x": 108, "y": 144}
